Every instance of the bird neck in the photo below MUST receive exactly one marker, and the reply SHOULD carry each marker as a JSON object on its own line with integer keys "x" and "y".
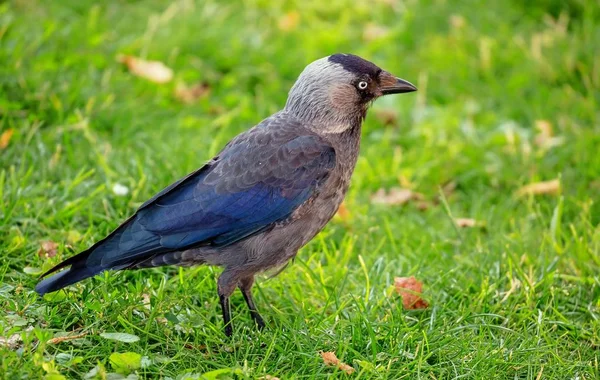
{"x": 347, "y": 148}
{"x": 324, "y": 119}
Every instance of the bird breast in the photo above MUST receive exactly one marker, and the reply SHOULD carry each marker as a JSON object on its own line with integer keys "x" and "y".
{"x": 310, "y": 218}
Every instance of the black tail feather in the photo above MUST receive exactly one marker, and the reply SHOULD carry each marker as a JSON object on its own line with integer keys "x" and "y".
{"x": 123, "y": 248}
{"x": 66, "y": 278}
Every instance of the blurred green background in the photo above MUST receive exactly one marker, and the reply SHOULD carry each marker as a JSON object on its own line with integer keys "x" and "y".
{"x": 508, "y": 96}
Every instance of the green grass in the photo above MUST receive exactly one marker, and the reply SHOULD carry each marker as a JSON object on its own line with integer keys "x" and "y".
{"x": 518, "y": 299}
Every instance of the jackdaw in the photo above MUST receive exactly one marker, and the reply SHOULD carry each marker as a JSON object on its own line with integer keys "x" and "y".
{"x": 264, "y": 196}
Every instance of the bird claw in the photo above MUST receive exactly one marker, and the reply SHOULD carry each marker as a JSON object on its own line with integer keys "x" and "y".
{"x": 228, "y": 330}
{"x": 260, "y": 322}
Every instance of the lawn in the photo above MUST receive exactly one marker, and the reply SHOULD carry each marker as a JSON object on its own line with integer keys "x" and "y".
{"x": 508, "y": 96}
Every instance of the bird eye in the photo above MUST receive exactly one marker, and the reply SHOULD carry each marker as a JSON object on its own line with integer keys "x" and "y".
{"x": 362, "y": 85}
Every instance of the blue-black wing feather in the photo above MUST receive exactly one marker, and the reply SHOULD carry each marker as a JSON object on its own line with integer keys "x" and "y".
{"x": 259, "y": 178}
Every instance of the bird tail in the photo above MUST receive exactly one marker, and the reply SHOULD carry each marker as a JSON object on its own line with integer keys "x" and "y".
{"x": 122, "y": 249}
{"x": 66, "y": 278}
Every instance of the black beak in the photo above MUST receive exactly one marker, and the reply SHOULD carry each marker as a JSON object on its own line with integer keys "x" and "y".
{"x": 392, "y": 85}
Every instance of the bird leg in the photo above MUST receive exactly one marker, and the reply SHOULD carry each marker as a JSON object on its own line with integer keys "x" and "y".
{"x": 246, "y": 287}
{"x": 226, "y": 286}
{"x": 226, "y": 314}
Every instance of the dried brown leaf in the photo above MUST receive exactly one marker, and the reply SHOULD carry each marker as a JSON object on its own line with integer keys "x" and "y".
{"x": 468, "y": 222}
{"x": 346, "y": 368}
{"x": 410, "y": 289}
{"x": 154, "y": 71}
{"x": 61, "y": 339}
{"x": 330, "y": 359}
{"x": 395, "y": 196}
{"x": 5, "y": 138}
{"x": 545, "y": 138}
{"x": 289, "y": 21}
{"x": 540, "y": 188}
{"x": 342, "y": 212}
{"x": 423, "y": 205}
{"x": 386, "y": 116}
{"x": 191, "y": 94}
{"x": 47, "y": 249}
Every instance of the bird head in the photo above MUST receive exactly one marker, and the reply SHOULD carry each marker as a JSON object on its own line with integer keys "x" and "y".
{"x": 335, "y": 92}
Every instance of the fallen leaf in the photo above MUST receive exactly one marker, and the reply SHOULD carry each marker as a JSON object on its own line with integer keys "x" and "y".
{"x": 47, "y": 249}
{"x": 386, "y": 116}
{"x": 61, "y": 339}
{"x": 423, "y": 205}
{"x": 330, "y": 359}
{"x": 189, "y": 95}
{"x": 374, "y": 32}
{"x": 289, "y": 21}
{"x": 343, "y": 212}
{"x": 545, "y": 138}
{"x": 154, "y": 71}
{"x": 540, "y": 188}
{"x": 468, "y": 222}
{"x": 410, "y": 289}
{"x": 395, "y": 196}
{"x": 5, "y": 138}
{"x": 346, "y": 368}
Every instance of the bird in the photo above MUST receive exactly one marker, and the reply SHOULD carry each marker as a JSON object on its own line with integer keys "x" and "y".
{"x": 265, "y": 195}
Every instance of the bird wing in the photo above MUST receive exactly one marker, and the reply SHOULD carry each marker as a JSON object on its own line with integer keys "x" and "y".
{"x": 260, "y": 178}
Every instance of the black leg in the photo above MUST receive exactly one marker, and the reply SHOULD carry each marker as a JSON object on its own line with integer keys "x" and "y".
{"x": 225, "y": 286}
{"x": 246, "y": 288}
{"x": 226, "y": 314}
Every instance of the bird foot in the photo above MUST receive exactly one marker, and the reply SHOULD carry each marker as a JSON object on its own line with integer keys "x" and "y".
{"x": 228, "y": 330}
{"x": 260, "y": 322}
